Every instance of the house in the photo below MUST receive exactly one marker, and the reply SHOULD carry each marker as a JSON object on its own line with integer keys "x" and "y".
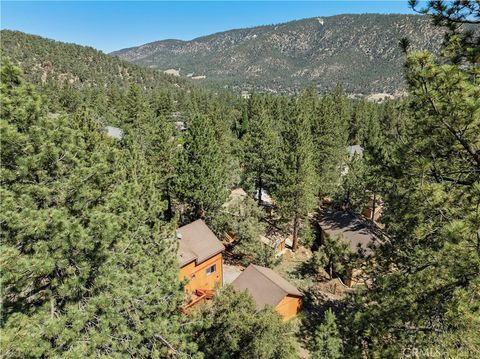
{"x": 269, "y": 289}
{"x": 114, "y": 132}
{"x": 355, "y": 150}
{"x": 350, "y": 228}
{"x": 245, "y": 94}
{"x": 173, "y": 72}
{"x": 200, "y": 257}
{"x": 355, "y": 231}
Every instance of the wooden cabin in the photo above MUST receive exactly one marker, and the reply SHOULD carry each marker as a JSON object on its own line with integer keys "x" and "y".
{"x": 200, "y": 257}
{"x": 269, "y": 289}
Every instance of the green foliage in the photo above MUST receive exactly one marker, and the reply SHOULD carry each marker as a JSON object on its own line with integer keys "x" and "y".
{"x": 261, "y": 146}
{"x": 244, "y": 332}
{"x": 331, "y": 116}
{"x": 46, "y": 61}
{"x": 425, "y": 279}
{"x": 354, "y": 184}
{"x": 335, "y": 255}
{"x": 202, "y": 181}
{"x": 86, "y": 264}
{"x": 327, "y": 341}
{"x": 296, "y": 179}
{"x": 245, "y": 221}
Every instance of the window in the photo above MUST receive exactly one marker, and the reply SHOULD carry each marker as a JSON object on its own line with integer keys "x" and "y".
{"x": 211, "y": 269}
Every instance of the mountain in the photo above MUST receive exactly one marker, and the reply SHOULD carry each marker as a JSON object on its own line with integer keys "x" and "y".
{"x": 43, "y": 60}
{"x": 359, "y": 51}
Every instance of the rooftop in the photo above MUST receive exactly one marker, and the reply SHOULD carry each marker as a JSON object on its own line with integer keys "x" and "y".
{"x": 351, "y": 229}
{"x": 197, "y": 243}
{"x": 355, "y": 150}
{"x": 114, "y": 132}
{"x": 264, "y": 285}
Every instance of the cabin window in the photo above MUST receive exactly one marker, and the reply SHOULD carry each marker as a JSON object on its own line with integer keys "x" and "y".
{"x": 211, "y": 269}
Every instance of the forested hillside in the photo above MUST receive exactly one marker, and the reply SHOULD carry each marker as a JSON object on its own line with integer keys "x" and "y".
{"x": 45, "y": 60}
{"x": 88, "y": 221}
{"x": 358, "y": 51}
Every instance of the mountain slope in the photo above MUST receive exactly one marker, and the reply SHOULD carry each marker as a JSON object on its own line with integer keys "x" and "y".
{"x": 360, "y": 51}
{"x": 44, "y": 60}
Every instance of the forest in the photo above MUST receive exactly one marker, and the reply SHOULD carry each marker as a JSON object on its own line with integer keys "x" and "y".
{"x": 88, "y": 246}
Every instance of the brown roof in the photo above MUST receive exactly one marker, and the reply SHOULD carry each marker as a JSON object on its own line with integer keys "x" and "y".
{"x": 351, "y": 229}
{"x": 264, "y": 285}
{"x": 197, "y": 243}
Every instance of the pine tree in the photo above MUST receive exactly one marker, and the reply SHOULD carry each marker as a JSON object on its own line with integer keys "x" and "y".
{"x": 86, "y": 264}
{"x": 135, "y": 107}
{"x": 327, "y": 340}
{"x": 202, "y": 181}
{"x": 161, "y": 151}
{"x": 354, "y": 184}
{"x": 425, "y": 279}
{"x": 261, "y": 146}
{"x": 296, "y": 179}
{"x": 330, "y": 135}
{"x": 236, "y": 329}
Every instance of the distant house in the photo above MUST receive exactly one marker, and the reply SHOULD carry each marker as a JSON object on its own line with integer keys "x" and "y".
{"x": 355, "y": 150}
{"x": 180, "y": 126}
{"x": 266, "y": 200}
{"x": 269, "y": 289}
{"x": 173, "y": 72}
{"x": 245, "y": 94}
{"x": 114, "y": 132}
{"x": 355, "y": 231}
{"x": 200, "y": 257}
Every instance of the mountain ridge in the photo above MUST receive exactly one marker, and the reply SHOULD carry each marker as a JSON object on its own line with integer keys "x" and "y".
{"x": 287, "y": 56}
{"x": 47, "y": 60}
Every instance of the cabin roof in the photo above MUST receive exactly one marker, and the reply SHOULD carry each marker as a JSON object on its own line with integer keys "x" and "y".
{"x": 355, "y": 150}
{"x": 357, "y": 232}
{"x": 114, "y": 132}
{"x": 264, "y": 285}
{"x": 197, "y": 242}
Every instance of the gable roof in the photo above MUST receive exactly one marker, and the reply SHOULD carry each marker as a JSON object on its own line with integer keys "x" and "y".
{"x": 114, "y": 132}
{"x": 197, "y": 242}
{"x": 351, "y": 229}
{"x": 264, "y": 285}
{"x": 355, "y": 150}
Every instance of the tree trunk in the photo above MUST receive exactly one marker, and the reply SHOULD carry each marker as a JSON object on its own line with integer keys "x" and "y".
{"x": 169, "y": 211}
{"x": 260, "y": 185}
{"x": 296, "y": 224}
{"x": 373, "y": 207}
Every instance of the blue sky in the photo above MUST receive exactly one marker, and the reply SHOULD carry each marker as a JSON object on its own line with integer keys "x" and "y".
{"x": 110, "y": 25}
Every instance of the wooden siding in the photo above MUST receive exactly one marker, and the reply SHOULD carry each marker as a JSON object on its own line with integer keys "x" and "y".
{"x": 289, "y": 307}
{"x": 197, "y": 274}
